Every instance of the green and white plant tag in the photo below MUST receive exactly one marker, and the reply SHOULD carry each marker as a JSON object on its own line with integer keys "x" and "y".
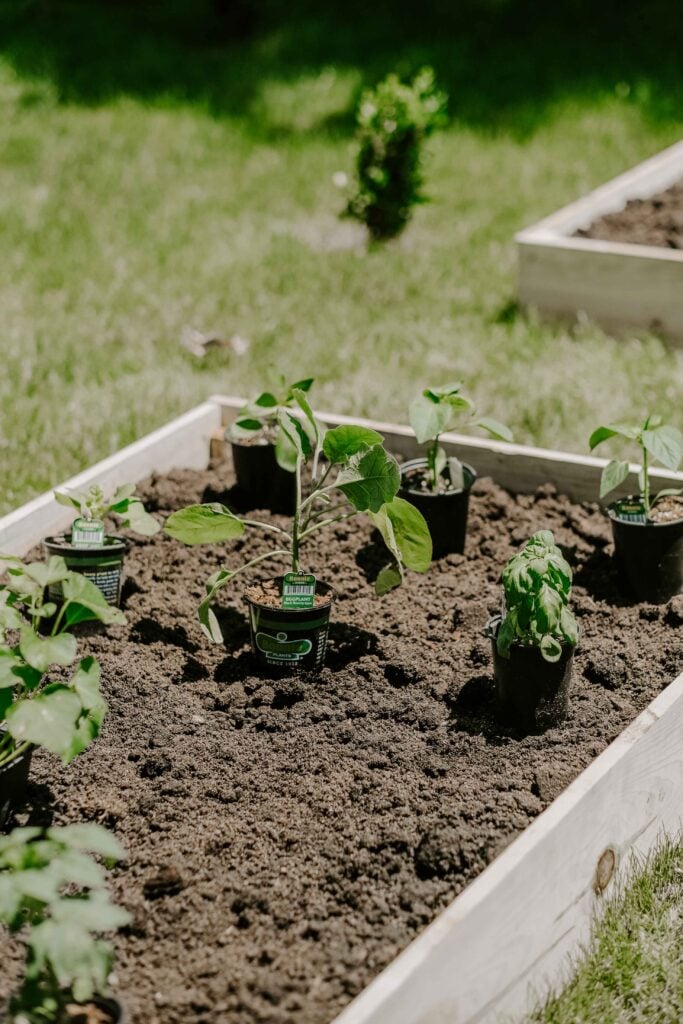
{"x": 87, "y": 533}
{"x": 298, "y": 590}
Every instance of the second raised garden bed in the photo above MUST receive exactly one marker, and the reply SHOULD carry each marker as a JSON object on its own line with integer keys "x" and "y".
{"x": 288, "y": 838}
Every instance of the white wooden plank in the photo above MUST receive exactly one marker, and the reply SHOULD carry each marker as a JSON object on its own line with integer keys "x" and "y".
{"x": 184, "y": 442}
{"x": 508, "y": 936}
{"x": 520, "y": 468}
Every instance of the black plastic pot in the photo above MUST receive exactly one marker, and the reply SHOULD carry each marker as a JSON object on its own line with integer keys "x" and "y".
{"x": 533, "y": 694}
{"x": 13, "y": 783}
{"x": 445, "y": 514}
{"x": 102, "y": 565}
{"x": 649, "y": 556}
{"x": 290, "y": 640}
{"x": 261, "y": 481}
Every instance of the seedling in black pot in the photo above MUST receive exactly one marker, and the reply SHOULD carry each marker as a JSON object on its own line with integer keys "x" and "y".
{"x": 534, "y": 641}
{"x": 439, "y": 485}
{"x": 53, "y": 895}
{"x": 62, "y": 713}
{"x": 89, "y": 549}
{"x": 350, "y": 473}
{"x": 647, "y": 528}
{"x": 262, "y": 454}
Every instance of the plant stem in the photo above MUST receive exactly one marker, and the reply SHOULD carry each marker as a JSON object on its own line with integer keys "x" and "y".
{"x": 12, "y": 752}
{"x": 326, "y": 522}
{"x": 266, "y": 526}
{"x": 255, "y": 561}
{"x": 646, "y": 482}
{"x": 60, "y": 616}
{"x": 297, "y": 517}
{"x": 314, "y": 494}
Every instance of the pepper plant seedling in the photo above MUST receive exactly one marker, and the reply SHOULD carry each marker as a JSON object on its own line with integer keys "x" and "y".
{"x": 61, "y": 714}
{"x": 537, "y": 584}
{"x": 351, "y": 473}
{"x": 658, "y": 442}
{"x": 53, "y": 894}
{"x": 260, "y": 418}
{"x": 92, "y": 505}
{"x": 434, "y": 412}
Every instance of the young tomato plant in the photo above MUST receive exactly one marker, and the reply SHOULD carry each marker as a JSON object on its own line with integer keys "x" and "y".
{"x": 93, "y": 506}
{"x": 351, "y": 473}
{"x": 434, "y": 412}
{"x": 393, "y": 121}
{"x": 658, "y": 442}
{"x": 62, "y": 714}
{"x": 260, "y": 419}
{"x": 54, "y": 895}
{"x": 537, "y": 584}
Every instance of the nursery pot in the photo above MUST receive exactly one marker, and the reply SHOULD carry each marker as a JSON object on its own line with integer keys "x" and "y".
{"x": 102, "y": 565}
{"x": 290, "y": 640}
{"x": 261, "y": 481}
{"x": 13, "y": 783}
{"x": 649, "y": 556}
{"x": 115, "y": 1010}
{"x": 532, "y": 693}
{"x": 445, "y": 514}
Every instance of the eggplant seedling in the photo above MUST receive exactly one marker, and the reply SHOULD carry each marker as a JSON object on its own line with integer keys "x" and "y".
{"x": 657, "y": 441}
{"x": 94, "y": 508}
{"x": 259, "y": 422}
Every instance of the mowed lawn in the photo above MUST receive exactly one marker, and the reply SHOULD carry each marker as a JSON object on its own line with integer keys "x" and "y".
{"x": 129, "y": 212}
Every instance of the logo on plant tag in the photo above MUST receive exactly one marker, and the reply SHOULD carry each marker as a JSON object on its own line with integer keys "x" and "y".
{"x": 298, "y": 590}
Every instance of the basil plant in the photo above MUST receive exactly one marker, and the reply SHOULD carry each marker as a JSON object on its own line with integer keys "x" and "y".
{"x": 349, "y": 473}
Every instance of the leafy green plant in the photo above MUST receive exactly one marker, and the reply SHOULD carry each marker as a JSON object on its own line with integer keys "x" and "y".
{"x": 393, "y": 120}
{"x": 260, "y": 418}
{"x": 437, "y": 410}
{"x": 658, "y": 442}
{"x": 61, "y": 714}
{"x": 53, "y": 893}
{"x": 537, "y": 584}
{"x": 93, "y": 505}
{"x": 351, "y": 473}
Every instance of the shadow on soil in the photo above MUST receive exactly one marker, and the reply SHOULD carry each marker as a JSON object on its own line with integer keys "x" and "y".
{"x": 503, "y": 62}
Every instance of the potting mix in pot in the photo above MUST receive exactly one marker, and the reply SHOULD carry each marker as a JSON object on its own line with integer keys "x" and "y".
{"x": 301, "y": 799}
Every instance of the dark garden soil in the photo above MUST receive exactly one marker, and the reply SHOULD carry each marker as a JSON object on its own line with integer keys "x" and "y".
{"x": 654, "y": 221}
{"x": 287, "y": 838}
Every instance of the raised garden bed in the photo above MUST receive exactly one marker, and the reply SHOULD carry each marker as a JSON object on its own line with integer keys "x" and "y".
{"x": 288, "y": 838}
{"x": 596, "y": 256}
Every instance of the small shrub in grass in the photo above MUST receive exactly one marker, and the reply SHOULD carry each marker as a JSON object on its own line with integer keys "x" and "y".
{"x": 393, "y": 121}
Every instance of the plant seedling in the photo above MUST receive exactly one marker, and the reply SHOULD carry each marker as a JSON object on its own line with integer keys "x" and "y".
{"x": 62, "y": 714}
{"x": 393, "y": 121}
{"x": 537, "y": 584}
{"x": 93, "y": 508}
{"x": 53, "y": 893}
{"x": 260, "y": 419}
{"x": 351, "y": 473}
{"x": 440, "y": 409}
{"x": 658, "y": 442}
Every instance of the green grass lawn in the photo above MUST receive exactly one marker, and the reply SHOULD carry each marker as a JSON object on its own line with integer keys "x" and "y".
{"x": 632, "y": 972}
{"x": 150, "y": 181}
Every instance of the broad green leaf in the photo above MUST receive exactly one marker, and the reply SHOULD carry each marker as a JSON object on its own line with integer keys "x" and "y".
{"x": 614, "y": 474}
{"x": 207, "y": 618}
{"x": 285, "y": 452}
{"x": 48, "y": 720}
{"x": 17, "y": 838}
{"x": 612, "y": 430}
{"x": 428, "y": 419}
{"x": 10, "y": 899}
{"x": 551, "y": 649}
{"x": 137, "y": 518}
{"x": 370, "y": 479}
{"x": 89, "y": 838}
{"x": 445, "y": 391}
{"x": 79, "y": 963}
{"x": 8, "y": 663}
{"x": 340, "y": 443}
{"x": 295, "y": 433}
{"x": 45, "y": 573}
{"x": 38, "y": 884}
{"x": 548, "y": 608}
{"x": 71, "y": 499}
{"x": 257, "y": 407}
{"x": 95, "y": 913}
{"x": 494, "y": 428}
{"x": 86, "y": 730}
{"x": 569, "y": 626}
{"x": 311, "y": 423}
{"x": 388, "y": 578}
{"x": 204, "y": 524}
{"x": 299, "y": 385}
{"x": 42, "y": 652}
{"x": 505, "y": 637}
{"x": 86, "y": 683}
{"x": 665, "y": 444}
{"x": 408, "y": 537}
{"x": 86, "y": 601}
{"x": 9, "y": 616}
{"x": 244, "y": 428}
{"x": 123, "y": 491}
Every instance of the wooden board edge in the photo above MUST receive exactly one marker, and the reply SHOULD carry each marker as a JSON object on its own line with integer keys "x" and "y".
{"x": 533, "y": 240}
{"x": 183, "y": 442}
{"x": 541, "y": 891}
{"x": 519, "y": 468}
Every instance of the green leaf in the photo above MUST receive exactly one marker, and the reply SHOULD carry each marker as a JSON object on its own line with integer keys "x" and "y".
{"x": 41, "y": 652}
{"x": 204, "y": 524}
{"x": 665, "y": 444}
{"x": 86, "y": 601}
{"x": 86, "y": 683}
{"x": 89, "y": 838}
{"x": 207, "y": 618}
{"x": 300, "y": 385}
{"x": 446, "y": 391}
{"x": 295, "y": 433}
{"x": 8, "y": 663}
{"x": 244, "y": 428}
{"x": 123, "y": 491}
{"x": 71, "y": 499}
{"x": 569, "y": 626}
{"x": 494, "y": 428}
{"x": 614, "y": 474}
{"x": 612, "y": 430}
{"x": 388, "y": 578}
{"x": 95, "y": 913}
{"x": 549, "y": 608}
{"x": 137, "y": 518}
{"x": 428, "y": 418}
{"x": 285, "y": 452}
{"x": 48, "y": 720}
{"x": 45, "y": 573}
{"x": 86, "y": 730}
{"x": 408, "y": 536}
{"x": 505, "y": 637}
{"x": 370, "y": 479}
{"x": 79, "y": 962}
{"x": 551, "y": 649}
{"x": 341, "y": 443}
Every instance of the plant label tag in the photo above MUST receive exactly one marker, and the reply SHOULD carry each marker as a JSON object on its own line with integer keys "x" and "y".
{"x": 298, "y": 590}
{"x": 87, "y": 533}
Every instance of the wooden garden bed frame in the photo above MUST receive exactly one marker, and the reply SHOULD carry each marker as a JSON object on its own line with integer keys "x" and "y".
{"x": 619, "y": 285}
{"x": 507, "y": 938}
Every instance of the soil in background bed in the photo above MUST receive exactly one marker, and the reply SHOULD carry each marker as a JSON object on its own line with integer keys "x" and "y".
{"x": 654, "y": 221}
{"x": 288, "y": 838}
